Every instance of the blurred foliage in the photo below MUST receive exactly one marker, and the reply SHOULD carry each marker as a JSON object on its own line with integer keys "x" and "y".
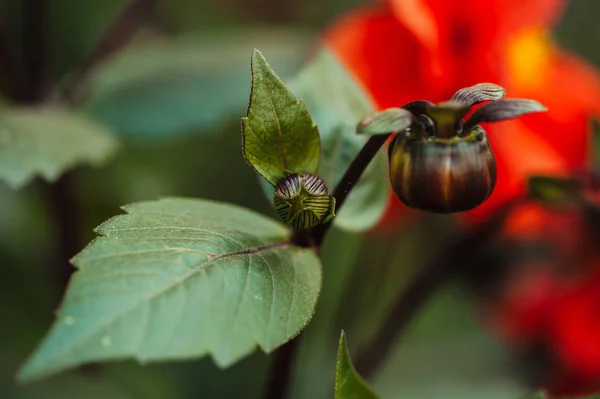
{"x": 441, "y": 357}
{"x": 579, "y": 31}
{"x": 169, "y": 86}
{"x": 46, "y": 142}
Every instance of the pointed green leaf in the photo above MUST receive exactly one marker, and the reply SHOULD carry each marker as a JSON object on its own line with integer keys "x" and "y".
{"x": 179, "y": 279}
{"x": 279, "y": 136}
{"x": 385, "y": 122}
{"x": 348, "y": 384}
{"x": 337, "y": 103}
{"x": 46, "y": 142}
{"x": 187, "y": 83}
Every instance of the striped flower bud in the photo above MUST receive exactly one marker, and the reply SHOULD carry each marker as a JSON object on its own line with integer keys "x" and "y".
{"x": 443, "y": 163}
{"x": 302, "y": 200}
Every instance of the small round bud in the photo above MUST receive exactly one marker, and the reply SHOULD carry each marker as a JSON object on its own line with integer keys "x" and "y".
{"x": 441, "y": 174}
{"x": 302, "y": 200}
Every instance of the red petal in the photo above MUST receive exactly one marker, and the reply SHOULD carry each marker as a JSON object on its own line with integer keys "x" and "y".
{"x": 433, "y": 21}
{"x": 576, "y": 329}
{"x": 381, "y": 53}
{"x": 465, "y": 38}
{"x": 570, "y": 88}
{"x": 520, "y": 152}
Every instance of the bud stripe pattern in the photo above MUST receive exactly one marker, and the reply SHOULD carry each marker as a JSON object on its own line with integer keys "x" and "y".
{"x": 303, "y": 201}
{"x": 314, "y": 184}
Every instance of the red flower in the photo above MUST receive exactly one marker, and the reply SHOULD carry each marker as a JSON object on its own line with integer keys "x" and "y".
{"x": 547, "y": 306}
{"x": 403, "y": 50}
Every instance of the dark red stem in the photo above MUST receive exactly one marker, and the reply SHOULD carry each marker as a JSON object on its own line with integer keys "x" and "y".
{"x": 118, "y": 35}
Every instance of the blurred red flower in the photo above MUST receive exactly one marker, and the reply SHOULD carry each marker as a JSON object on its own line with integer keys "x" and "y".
{"x": 547, "y": 302}
{"x": 403, "y": 50}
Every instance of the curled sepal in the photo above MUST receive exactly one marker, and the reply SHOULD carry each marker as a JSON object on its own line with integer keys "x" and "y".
{"x": 385, "y": 122}
{"x": 302, "y": 201}
{"x": 502, "y": 110}
{"x": 479, "y": 93}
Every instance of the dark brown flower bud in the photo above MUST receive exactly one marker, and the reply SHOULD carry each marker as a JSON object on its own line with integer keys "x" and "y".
{"x": 443, "y": 163}
{"x": 442, "y": 175}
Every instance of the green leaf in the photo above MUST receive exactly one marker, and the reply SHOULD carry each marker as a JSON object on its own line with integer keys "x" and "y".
{"x": 179, "y": 279}
{"x": 337, "y": 103}
{"x": 279, "y": 136}
{"x": 385, "y": 122}
{"x": 446, "y": 340}
{"x": 555, "y": 189}
{"x": 48, "y": 141}
{"x": 535, "y": 395}
{"x": 348, "y": 384}
{"x": 173, "y": 86}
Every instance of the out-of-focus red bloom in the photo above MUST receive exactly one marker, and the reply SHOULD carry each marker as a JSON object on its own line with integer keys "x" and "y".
{"x": 404, "y": 50}
{"x": 547, "y": 306}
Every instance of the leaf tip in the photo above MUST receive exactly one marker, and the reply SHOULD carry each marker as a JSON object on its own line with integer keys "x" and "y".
{"x": 26, "y": 374}
{"x": 257, "y": 56}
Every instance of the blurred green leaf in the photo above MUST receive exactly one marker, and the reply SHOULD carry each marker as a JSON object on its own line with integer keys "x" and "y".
{"x": 48, "y": 141}
{"x": 194, "y": 379}
{"x": 555, "y": 189}
{"x": 173, "y": 86}
{"x": 348, "y": 384}
{"x": 385, "y": 122}
{"x": 336, "y": 104}
{"x": 578, "y": 29}
{"x": 68, "y": 387}
{"x": 180, "y": 278}
{"x": 279, "y": 137}
{"x": 445, "y": 340}
{"x": 536, "y": 395}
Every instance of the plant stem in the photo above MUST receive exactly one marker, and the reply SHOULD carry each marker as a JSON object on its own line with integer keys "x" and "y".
{"x": 66, "y": 217}
{"x": 34, "y": 14}
{"x": 281, "y": 370}
{"x": 11, "y": 78}
{"x": 350, "y": 178}
{"x": 115, "y": 38}
{"x": 450, "y": 261}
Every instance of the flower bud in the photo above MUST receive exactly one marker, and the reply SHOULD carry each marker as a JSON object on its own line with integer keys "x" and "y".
{"x": 302, "y": 200}
{"x": 442, "y": 175}
{"x": 443, "y": 163}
